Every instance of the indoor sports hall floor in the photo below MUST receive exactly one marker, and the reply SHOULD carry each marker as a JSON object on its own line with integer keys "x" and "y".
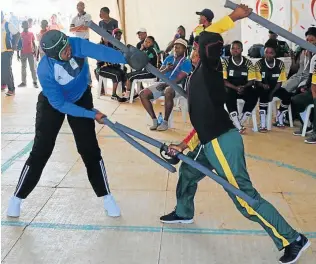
{"x": 63, "y": 222}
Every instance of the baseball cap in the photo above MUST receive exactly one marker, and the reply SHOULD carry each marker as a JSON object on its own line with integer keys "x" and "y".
{"x": 117, "y": 30}
{"x": 142, "y": 30}
{"x": 182, "y": 42}
{"x": 207, "y": 13}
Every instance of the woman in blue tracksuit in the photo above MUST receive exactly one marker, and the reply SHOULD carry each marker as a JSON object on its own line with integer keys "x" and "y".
{"x": 63, "y": 74}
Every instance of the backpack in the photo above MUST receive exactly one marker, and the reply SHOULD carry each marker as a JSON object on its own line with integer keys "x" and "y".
{"x": 254, "y": 51}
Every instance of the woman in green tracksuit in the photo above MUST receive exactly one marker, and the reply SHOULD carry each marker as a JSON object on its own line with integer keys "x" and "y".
{"x": 221, "y": 146}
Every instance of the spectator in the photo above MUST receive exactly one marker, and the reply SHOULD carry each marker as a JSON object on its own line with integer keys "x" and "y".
{"x": 107, "y": 22}
{"x": 180, "y": 34}
{"x": 301, "y": 101}
{"x": 283, "y": 49}
{"x": 30, "y": 23}
{"x": 54, "y": 24}
{"x": 270, "y": 73}
{"x": 79, "y": 28}
{"x": 9, "y": 39}
{"x": 175, "y": 67}
{"x": 28, "y": 49}
{"x": 44, "y": 26}
{"x": 195, "y": 58}
{"x": 239, "y": 76}
{"x": 77, "y": 25}
{"x": 205, "y": 20}
{"x": 148, "y": 48}
{"x": 300, "y": 78}
{"x": 112, "y": 71}
{"x": 142, "y": 35}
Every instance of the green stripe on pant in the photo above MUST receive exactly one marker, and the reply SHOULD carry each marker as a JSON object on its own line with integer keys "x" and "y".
{"x": 226, "y": 155}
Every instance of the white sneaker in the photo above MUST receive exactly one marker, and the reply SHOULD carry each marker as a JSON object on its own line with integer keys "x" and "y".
{"x": 14, "y": 207}
{"x": 111, "y": 207}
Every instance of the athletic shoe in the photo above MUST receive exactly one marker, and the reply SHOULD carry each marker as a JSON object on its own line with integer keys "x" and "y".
{"x": 14, "y": 208}
{"x": 299, "y": 132}
{"x": 242, "y": 131}
{"x": 111, "y": 207}
{"x": 279, "y": 125}
{"x": 22, "y": 84}
{"x": 163, "y": 126}
{"x": 35, "y": 84}
{"x": 263, "y": 129}
{"x": 173, "y": 218}
{"x": 119, "y": 99}
{"x": 311, "y": 139}
{"x": 9, "y": 93}
{"x": 294, "y": 251}
{"x": 155, "y": 125}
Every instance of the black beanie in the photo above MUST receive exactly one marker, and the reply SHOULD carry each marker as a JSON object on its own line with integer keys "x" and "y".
{"x": 53, "y": 43}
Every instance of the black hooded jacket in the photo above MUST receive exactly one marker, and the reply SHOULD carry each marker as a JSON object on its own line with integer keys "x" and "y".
{"x": 206, "y": 91}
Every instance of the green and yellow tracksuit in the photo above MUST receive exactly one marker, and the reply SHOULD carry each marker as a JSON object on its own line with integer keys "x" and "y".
{"x": 215, "y": 143}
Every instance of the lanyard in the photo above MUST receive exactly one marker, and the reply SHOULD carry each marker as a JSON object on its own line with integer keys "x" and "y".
{"x": 174, "y": 70}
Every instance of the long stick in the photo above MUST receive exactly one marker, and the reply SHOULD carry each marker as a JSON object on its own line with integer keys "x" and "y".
{"x": 140, "y": 147}
{"x": 227, "y": 186}
{"x": 276, "y": 29}
{"x": 102, "y": 32}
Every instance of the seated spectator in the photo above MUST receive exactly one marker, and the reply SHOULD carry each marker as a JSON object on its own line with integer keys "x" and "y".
{"x": 283, "y": 49}
{"x": 239, "y": 76}
{"x": 108, "y": 23}
{"x": 142, "y": 35}
{"x": 112, "y": 71}
{"x": 180, "y": 34}
{"x": 270, "y": 73}
{"x": 195, "y": 57}
{"x": 301, "y": 101}
{"x": 300, "y": 78}
{"x": 148, "y": 48}
{"x": 176, "y": 67}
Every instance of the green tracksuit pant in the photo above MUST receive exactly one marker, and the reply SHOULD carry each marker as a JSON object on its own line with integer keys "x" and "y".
{"x": 226, "y": 155}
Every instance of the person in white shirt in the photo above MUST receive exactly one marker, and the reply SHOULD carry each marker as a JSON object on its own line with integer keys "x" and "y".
{"x": 78, "y": 26}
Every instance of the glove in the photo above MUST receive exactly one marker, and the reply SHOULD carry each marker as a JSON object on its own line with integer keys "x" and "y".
{"x": 136, "y": 58}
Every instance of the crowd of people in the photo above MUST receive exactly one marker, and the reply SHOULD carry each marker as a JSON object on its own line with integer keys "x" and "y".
{"x": 262, "y": 81}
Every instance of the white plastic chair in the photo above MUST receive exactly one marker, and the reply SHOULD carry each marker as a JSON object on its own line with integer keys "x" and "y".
{"x": 136, "y": 86}
{"x": 308, "y": 113}
{"x": 273, "y": 108}
{"x": 240, "y": 106}
{"x": 104, "y": 81}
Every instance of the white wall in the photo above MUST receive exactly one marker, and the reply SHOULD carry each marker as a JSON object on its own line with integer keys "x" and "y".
{"x": 161, "y": 18}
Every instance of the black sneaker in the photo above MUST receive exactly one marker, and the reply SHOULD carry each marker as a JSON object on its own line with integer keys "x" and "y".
{"x": 119, "y": 99}
{"x": 172, "y": 218}
{"x": 35, "y": 84}
{"x": 294, "y": 251}
{"x": 311, "y": 139}
{"x": 22, "y": 84}
{"x": 299, "y": 132}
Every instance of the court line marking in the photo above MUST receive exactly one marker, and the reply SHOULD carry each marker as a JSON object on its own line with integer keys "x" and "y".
{"x": 148, "y": 229}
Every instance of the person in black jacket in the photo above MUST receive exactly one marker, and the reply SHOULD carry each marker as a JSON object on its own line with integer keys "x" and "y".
{"x": 115, "y": 72}
{"x": 149, "y": 49}
{"x": 221, "y": 146}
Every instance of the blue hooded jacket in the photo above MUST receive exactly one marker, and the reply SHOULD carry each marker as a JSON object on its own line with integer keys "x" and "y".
{"x": 64, "y": 82}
